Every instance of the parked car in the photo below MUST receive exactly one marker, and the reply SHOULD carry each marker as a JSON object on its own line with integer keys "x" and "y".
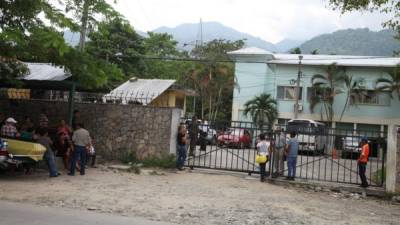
{"x": 15, "y": 152}
{"x": 235, "y": 137}
{"x": 208, "y": 133}
{"x": 205, "y": 131}
{"x": 351, "y": 147}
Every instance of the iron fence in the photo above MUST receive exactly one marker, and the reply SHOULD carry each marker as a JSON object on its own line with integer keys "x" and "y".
{"x": 325, "y": 154}
{"x": 116, "y": 97}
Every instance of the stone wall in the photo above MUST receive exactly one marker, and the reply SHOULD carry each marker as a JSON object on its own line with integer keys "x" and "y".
{"x": 117, "y": 129}
{"x": 398, "y": 164}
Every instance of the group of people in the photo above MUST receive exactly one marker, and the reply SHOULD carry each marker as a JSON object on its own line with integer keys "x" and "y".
{"x": 280, "y": 148}
{"x": 71, "y": 144}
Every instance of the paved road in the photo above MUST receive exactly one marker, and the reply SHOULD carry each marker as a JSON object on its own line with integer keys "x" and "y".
{"x": 17, "y": 214}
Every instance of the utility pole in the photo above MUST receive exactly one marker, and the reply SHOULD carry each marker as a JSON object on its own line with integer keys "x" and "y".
{"x": 296, "y": 105}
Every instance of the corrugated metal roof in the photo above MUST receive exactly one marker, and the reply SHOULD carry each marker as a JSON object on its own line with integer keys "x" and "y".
{"x": 341, "y": 60}
{"x": 142, "y": 90}
{"x": 44, "y": 71}
{"x": 250, "y": 51}
{"x": 321, "y": 60}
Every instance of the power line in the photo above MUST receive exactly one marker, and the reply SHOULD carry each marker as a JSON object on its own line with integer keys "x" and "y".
{"x": 146, "y": 57}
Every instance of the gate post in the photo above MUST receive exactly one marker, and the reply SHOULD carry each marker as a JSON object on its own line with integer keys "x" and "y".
{"x": 393, "y": 160}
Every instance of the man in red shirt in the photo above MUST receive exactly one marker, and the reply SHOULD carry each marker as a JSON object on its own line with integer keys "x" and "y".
{"x": 363, "y": 160}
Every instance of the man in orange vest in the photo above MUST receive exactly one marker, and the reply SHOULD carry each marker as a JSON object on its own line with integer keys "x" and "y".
{"x": 363, "y": 160}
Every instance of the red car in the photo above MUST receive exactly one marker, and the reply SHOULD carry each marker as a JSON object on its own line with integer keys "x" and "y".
{"x": 235, "y": 137}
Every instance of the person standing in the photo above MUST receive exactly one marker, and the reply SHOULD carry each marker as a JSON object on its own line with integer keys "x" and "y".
{"x": 81, "y": 139}
{"x": 292, "y": 148}
{"x": 263, "y": 149}
{"x": 9, "y": 129}
{"x": 76, "y": 118}
{"x": 279, "y": 151}
{"x": 181, "y": 147}
{"x": 44, "y": 140}
{"x": 43, "y": 120}
{"x": 362, "y": 161}
{"x": 193, "y": 133}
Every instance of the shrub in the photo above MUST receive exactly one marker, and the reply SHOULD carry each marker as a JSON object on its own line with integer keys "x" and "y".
{"x": 166, "y": 161}
{"x": 379, "y": 176}
{"x": 127, "y": 157}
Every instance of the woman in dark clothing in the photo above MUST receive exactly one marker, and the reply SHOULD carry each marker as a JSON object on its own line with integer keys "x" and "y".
{"x": 63, "y": 146}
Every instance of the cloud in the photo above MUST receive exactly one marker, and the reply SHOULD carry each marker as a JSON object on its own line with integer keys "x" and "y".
{"x": 271, "y": 20}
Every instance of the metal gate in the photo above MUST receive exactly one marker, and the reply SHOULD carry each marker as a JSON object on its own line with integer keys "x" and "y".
{"x": 324, "y": 155}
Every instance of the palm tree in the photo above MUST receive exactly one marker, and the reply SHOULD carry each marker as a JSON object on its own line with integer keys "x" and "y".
{"x": 262, "y": 109}
{"x": 391, "y": 84}
{"x": 326, "y": 88}
{"x": 354, "y": 92}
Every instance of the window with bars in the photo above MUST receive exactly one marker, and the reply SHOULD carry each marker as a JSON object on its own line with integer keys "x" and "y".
{"x": 288, "y": 93}
{"x": 371, "y": 97}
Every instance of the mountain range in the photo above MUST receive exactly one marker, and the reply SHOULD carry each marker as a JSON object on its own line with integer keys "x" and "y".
{"x": 343, "y": 42}
{"x": 354, "y": 42}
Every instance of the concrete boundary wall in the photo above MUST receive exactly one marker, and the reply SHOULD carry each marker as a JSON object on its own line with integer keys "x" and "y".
{"x": 117, "y": 129}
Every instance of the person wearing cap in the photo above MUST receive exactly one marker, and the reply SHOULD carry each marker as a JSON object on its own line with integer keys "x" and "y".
{"x": 363, "y": 160}
{"x": 9, "y": 128}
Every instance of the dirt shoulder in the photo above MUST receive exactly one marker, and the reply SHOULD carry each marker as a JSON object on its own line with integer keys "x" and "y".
{"x": 194, "y": 198}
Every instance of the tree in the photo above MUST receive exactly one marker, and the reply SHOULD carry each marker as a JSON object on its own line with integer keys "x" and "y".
{"x": 11, "y": 70}
{"x": 384, "y": 6}
{"x": 295, "y": 51}
{"x": 159, "y": 47}
{"x": 29, "y": 33}
{"x": 116, "y": 42}
{"x": 326, "y": 88}
{"x": 390, "y": 84}
{"x": 354, "y": 91}
{"x": 86, "y": 13}
{"x": 262, "y": 109}
{"x": 214, "y": 91}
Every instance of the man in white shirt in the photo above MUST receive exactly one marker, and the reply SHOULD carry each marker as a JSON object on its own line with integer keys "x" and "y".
{"x": 81, "y": 139}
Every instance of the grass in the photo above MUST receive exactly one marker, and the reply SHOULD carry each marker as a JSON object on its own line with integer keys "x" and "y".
{"x": 165, "y": 161}
{"x": 379, "y": 176}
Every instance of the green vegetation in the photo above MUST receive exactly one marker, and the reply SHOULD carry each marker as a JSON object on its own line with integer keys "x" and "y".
{"x": 262, "y": 109}
{"x": 390, "y": 85}
{"x": 164, "y": 161}
{"x": 353, "y": 42}
{"x": 379, "y": 176}
{"x": 110, "y": 51}
{"x": 326, "y": 87}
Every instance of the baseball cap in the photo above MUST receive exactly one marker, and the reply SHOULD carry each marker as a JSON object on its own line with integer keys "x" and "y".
{"x": 11, "y": 120}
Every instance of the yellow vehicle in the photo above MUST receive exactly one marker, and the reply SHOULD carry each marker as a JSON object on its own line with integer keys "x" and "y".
{"x": 24, "y": 151}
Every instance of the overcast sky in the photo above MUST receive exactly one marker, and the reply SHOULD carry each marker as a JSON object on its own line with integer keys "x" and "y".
{"x": 271, "y": 20}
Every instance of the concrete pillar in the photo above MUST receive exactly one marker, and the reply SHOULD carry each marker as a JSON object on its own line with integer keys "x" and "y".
{"x": 175, "y": 121}
{"x": 393, "y": 160}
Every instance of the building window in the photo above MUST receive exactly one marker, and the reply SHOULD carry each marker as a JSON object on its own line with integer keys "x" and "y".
{"x": 179, "y": 102}
{"x": 371, "y": 97}
{"x": 288, "y": 93}
{"x": 320, "y": 93}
